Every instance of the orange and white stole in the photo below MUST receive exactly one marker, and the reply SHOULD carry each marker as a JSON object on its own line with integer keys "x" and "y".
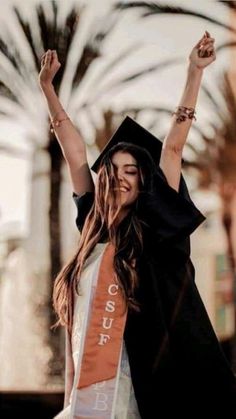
{"x": 106, "y": 327}
{"x": 104, "y": 336}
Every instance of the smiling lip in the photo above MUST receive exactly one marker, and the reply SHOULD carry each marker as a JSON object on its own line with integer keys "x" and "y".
{"x": 123, "y": 189}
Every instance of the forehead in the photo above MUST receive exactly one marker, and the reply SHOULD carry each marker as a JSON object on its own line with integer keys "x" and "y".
{"x": 123, "y": 157}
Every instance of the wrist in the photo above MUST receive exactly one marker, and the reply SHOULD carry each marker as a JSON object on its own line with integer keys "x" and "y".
{"x": 194, "y": 70}
{"x": 46, "y": 86}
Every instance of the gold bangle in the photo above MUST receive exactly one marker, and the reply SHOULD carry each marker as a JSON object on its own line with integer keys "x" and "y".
{"x": 56, "y": 122}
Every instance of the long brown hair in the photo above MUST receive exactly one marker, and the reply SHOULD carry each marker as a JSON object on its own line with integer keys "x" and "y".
{"x": 126, "y": 235}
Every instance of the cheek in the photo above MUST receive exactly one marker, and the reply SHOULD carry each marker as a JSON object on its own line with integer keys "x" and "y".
{"x": 134, "y": 183}
{"x": 135, "y": 189}
{"x": 136, "y": 186}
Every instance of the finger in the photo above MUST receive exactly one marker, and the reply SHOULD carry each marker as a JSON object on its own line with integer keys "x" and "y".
{"x": 42, "y": 57}
{"x": 199, "y": 42}
{"x": 202, "y": 53}
{"x": 206, "y": 53}
{"x": 54, "y": 54}
{"x": 211, "y": 53}
{"x": 48, "y": 58}
{"x": 208, "y": 40}
{"x": 208, "y": 45}
{"x": 209, "y": 48}
{"x": 203, "y": 38}
{"x": 55, "y": 60}
{"x": 46, "y": 52}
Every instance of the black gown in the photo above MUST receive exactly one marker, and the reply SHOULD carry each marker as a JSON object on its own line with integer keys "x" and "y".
{"x": 177, "y": 365}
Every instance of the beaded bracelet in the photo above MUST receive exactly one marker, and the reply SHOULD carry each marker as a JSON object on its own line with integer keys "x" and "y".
{"x": 55, "y": 122}
{"x": 182, "y": 113}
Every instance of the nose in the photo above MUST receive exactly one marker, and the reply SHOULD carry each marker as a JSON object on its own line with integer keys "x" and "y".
{"x": 120, "y": 175}
{"x": 121, "y": 179}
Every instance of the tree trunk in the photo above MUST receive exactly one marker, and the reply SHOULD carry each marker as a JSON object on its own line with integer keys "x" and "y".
{"x": 56, "y": 335}
{"x": 228, "y": 221}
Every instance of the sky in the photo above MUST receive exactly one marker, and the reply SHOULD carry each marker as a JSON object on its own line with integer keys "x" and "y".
{"x": 158, "y": 37}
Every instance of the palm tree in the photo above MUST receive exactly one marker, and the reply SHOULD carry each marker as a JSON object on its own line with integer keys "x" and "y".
{"x": 21, "y": 102}
{"x": 215, "y": 163}
{"x": 20, "y": 98}
{"x": 213, "y": 166}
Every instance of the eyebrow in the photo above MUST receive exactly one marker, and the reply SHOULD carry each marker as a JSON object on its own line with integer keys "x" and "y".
{"x": 126, "y": 165}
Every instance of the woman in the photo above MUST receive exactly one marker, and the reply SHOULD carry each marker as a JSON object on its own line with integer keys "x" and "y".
{"x": 139, "y": 343}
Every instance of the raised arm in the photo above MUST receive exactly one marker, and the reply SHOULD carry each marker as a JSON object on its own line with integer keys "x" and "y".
{"x": 201, "y": 56}
{"x": 71, "y": 142}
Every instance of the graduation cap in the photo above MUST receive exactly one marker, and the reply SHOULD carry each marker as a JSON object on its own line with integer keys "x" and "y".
{"x": 131, "y": 132}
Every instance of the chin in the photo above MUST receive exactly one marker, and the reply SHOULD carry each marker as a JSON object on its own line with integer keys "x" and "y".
{"x": 128, "y": 203}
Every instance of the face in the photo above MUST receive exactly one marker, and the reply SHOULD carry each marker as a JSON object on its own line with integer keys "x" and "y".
{"x": 127, "y": 174}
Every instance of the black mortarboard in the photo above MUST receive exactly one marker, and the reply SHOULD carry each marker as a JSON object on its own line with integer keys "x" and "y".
{"x": 131, "y": 132}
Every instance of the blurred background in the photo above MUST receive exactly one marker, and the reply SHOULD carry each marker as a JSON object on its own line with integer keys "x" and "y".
{"x": 118, "y": 58}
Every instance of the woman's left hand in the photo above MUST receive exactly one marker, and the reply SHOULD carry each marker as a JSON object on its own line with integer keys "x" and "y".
{"x": 203, "y": 54}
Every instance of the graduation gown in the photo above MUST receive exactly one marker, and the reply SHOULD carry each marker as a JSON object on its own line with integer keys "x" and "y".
{"x": 178, "y": 368}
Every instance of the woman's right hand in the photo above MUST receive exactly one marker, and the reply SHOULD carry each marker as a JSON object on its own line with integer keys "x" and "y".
{"x": 49, "y": 67}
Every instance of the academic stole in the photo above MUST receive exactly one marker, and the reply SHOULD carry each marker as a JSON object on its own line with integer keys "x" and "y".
{"x": 105, "y": 330}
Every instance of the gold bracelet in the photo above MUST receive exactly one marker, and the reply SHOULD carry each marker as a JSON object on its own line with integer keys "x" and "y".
{"x": 56, "y": 122}
{"x": 183, "y": 112}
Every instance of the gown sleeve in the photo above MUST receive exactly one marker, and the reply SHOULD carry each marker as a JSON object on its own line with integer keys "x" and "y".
{"x": 171, "y": 215}
{"x": 83, "y": 204}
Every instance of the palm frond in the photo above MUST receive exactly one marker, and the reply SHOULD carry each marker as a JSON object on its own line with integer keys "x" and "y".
{"x": 193, "y": 164}
{"x": 203, "y": 174}
{"x": 230, "y": 4}
{"x": 122, "y": 81}
{"x": 230, "y": 100}
{"x": 7, "y": 92}
{"x": 193, "y": 149}
{"x": 89, "y": 54}
{"x": 52, "y": 35}
{"x": 14, "y": 152}
{"x": 117, "y": 60}
{"x": 92, "y": 48}
{"x": 213, "y": 101}
{"x": 153, "y": 8}
{"x": 225, "y": 45}
{"x": 209, "y": 141}
{"x": 148, "y": 70}
{"x": 56, "y": 36}
{"x": 26, "y": 29}
{"x": 13, "y": 56}
{"x": 64, "y": 35}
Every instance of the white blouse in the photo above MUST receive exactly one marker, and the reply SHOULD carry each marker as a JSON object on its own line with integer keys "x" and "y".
{"x": 125, "y": 405}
